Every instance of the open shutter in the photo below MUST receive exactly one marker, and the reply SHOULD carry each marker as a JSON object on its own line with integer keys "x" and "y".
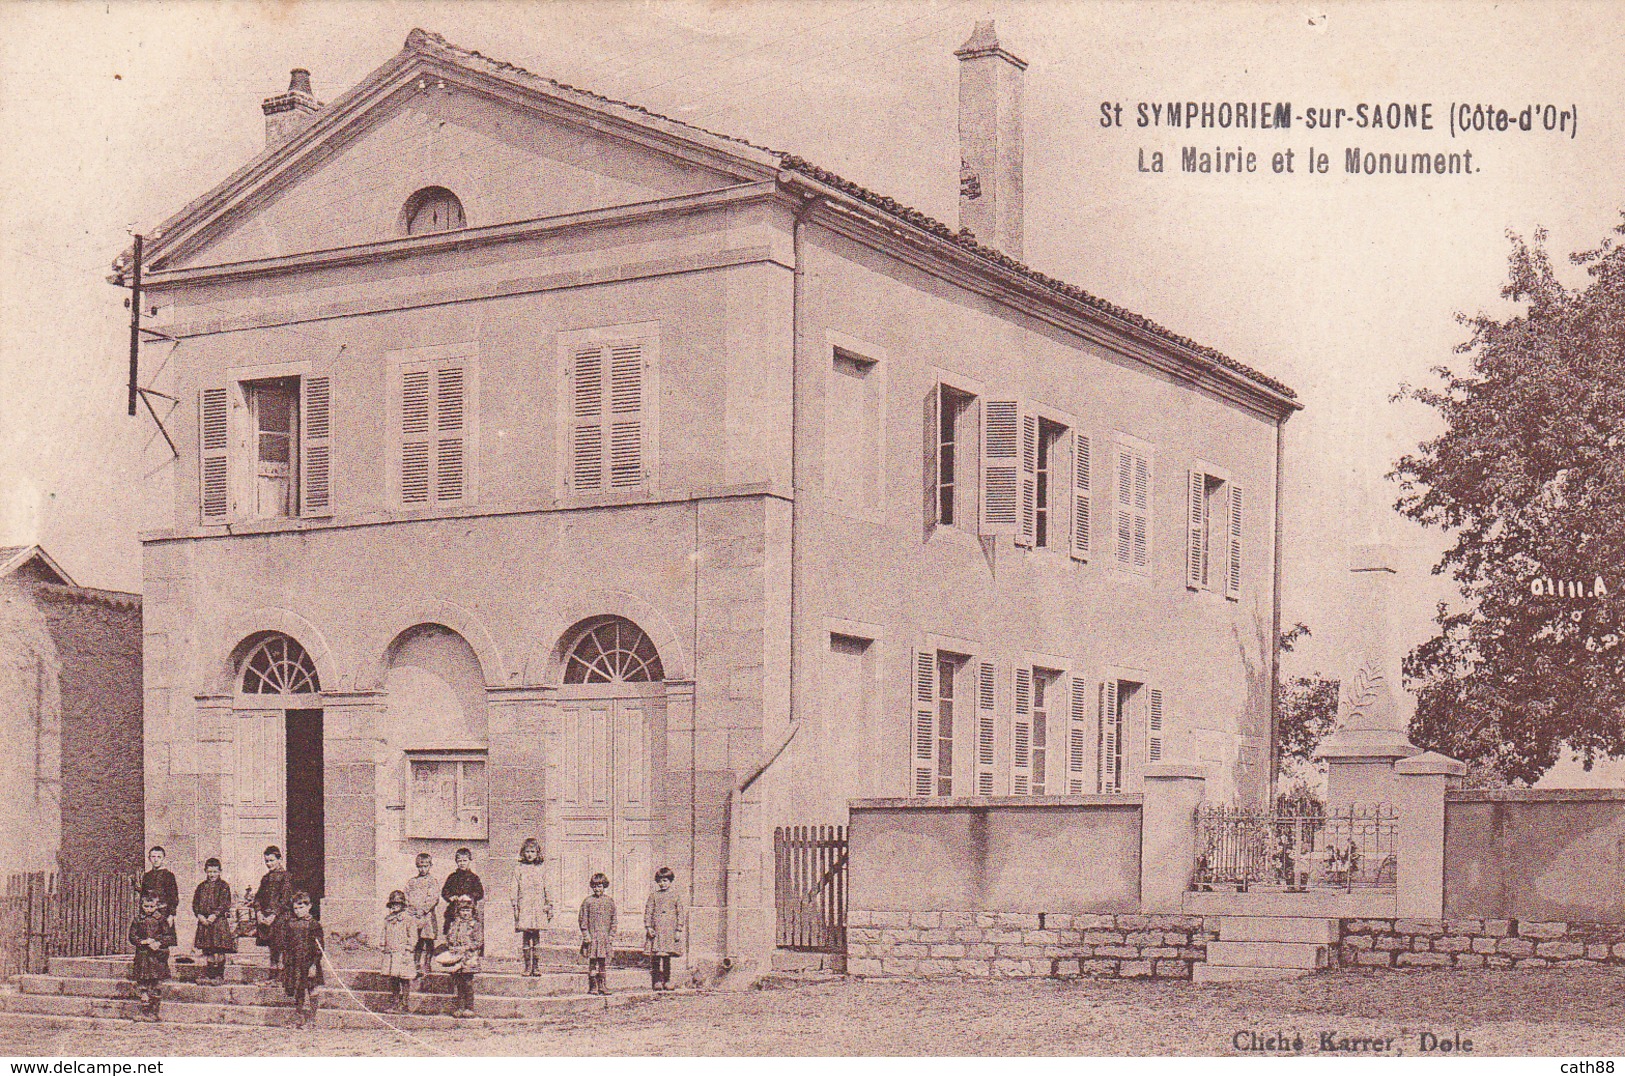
{"x": 1001, "y": 467}
{"x": 1106, "y": 742}
{"x": 451, "y": 463}
{"x": 214, "y": 486}
{"x": 925, "y": 722}
{"x": 1196, "y": 530}
{"x": 1021, "y": 735}
{"x": 1077, "y": 736}
{"x": 416, "y": 437}
{"x": 1083, "y": 505}
{"x": 1027, "y": 535}
{"x": 585, "y": 466}
{"x": 1153, "y": 727}
{"x": 316, "y": 447}
{"x": 626, "y": 433}
{"x": 1232, "y": 575}
{"x": 928, "y": 461}
{"x": 1142, "y": 512}
{"x": 986, "y": 724}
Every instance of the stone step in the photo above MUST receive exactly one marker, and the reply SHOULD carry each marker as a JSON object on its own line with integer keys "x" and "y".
{"x": 331, "y": 1015}
{"x": 1278, "y": 928}
{"x": 103, "y": 984}
{"x": 1266, "y": 954}
{"x": 1211, "y": 973}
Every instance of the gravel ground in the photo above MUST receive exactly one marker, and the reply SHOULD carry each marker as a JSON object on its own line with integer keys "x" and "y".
{"x": 1566, "y": 1012}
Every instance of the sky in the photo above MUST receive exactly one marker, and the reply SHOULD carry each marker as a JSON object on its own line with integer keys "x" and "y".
{"x": 1346, "y": 287}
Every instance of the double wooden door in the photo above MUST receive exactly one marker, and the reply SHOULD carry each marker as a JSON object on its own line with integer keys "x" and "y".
{"x": 608, "y": 760}
{"x": 275, "y": 797}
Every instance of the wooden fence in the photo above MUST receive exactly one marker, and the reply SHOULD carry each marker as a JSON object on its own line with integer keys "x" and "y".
{"x": 65, "y": 914}
{"x": 810, "y": 888}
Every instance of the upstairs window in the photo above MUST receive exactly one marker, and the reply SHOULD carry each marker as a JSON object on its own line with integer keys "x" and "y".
{"x": 1133, "y": 508}
{"x": 609, "y": 409}
{"x": 1213, "y": 533}
{"x": 852, "y": 433}
{"x": 434, "y": 421}
{"x": 432, "y": 209}
{"x": 1050, "y": 530}
{"x": 265, "y": 449}
{"x": 951, "y": 452}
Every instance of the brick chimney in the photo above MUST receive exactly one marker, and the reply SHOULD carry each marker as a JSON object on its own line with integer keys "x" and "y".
{"x": 287, "y": 114}
{"x": 990, "y": 150}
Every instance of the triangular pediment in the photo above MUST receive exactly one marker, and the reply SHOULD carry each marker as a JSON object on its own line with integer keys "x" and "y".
{"x": 510, "y": 145}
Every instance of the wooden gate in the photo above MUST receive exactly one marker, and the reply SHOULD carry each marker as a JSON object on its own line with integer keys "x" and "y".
{"x": 65, "y": 914}
{"x": 810, "y": 888}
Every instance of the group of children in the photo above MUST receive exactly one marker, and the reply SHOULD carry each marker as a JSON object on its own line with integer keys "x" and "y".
{"x": 416, "y": 940}
{"x": 282, "y": 923}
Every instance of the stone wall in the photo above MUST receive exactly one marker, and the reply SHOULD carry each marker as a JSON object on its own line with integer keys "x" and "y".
{"x": 1012, "y": 945}
{"x": 1479, "y": 943}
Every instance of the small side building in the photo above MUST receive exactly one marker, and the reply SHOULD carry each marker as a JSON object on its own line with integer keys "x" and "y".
{"x": 70, "y": 720}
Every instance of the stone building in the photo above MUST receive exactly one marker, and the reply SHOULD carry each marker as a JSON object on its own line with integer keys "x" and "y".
{"x": 70, "y": 714}
{"x": 550, "y": 467}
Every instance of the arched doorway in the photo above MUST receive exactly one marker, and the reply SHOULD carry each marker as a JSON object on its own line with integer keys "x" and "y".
{"x": 612, "y": 744}
{"x": 276, "y": 764}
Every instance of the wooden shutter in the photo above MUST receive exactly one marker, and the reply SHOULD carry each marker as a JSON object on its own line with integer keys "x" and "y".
{"x": 1142, "y": 512}
{"x": 986, "y": 724}
{"x": 1027, "y": 534}
{"x": 1106, "y": 741}
{"x": 1021, "y": 735}
{"x": 1082, "y": 497}
{"x": 316, "y": 446}
{"x": 1077, "y": 736}
{"x": 1196, "y": 530}
{"x": 214, "y": 437}
{"x": 925, "y": 722}
{"x": 1124, "y": 514}
{"x": 1232, "y": 575}
{"x": 1153, "y": 727}
{"x": 1001, "y": 466}
{"x": 451, "y": 463}
{"x": 585, "y": 466}
{"x": 929, "y": 462}
{"x": 626, "y": 432}
{"x": 416, "y": 437}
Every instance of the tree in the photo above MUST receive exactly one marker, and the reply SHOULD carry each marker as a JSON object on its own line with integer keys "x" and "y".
{"x": 1306, "y": 708}
{"x": 1529, "y": 478}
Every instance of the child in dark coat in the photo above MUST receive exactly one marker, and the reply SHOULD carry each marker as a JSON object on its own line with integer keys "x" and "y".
{"x": 271, "y": 905}
{"x": 663, "y": 925}
{"x": 302, "y": 943}
{"x": 216, "y": 932}
{"x": 152, "y": 935}
{"x": 597, "y": 922}
{"x": 159, "y": 882}
{"x": 462, "y": 882}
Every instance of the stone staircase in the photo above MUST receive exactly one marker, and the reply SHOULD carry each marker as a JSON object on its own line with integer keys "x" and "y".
{"x": 78, "y": 989}
{"x": 1253, "y": 948}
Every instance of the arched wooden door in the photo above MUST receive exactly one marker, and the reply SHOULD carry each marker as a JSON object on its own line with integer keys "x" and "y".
{"x": 611, "y": 746}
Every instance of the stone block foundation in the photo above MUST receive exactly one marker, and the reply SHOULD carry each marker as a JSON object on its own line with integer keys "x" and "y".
{"x": 1480, "y": 943}
{"x": 1019, "y": 945}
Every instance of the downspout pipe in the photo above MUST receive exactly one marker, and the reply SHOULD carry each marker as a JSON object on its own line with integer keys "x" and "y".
{"x": 729, "y": 920}
{"x": 1275, "y": 619}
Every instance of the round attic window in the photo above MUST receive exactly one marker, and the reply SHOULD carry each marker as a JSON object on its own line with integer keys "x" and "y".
{"x": 433, "y": 209}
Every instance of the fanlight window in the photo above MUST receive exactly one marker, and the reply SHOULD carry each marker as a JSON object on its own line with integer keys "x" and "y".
{"x": 279, "y": 666}
{"x": 613, "y": 651}
{"x": 433, "y": 209}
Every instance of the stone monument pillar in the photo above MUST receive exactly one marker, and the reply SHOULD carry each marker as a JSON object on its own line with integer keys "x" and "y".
{"x": 1373, "y": 710}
